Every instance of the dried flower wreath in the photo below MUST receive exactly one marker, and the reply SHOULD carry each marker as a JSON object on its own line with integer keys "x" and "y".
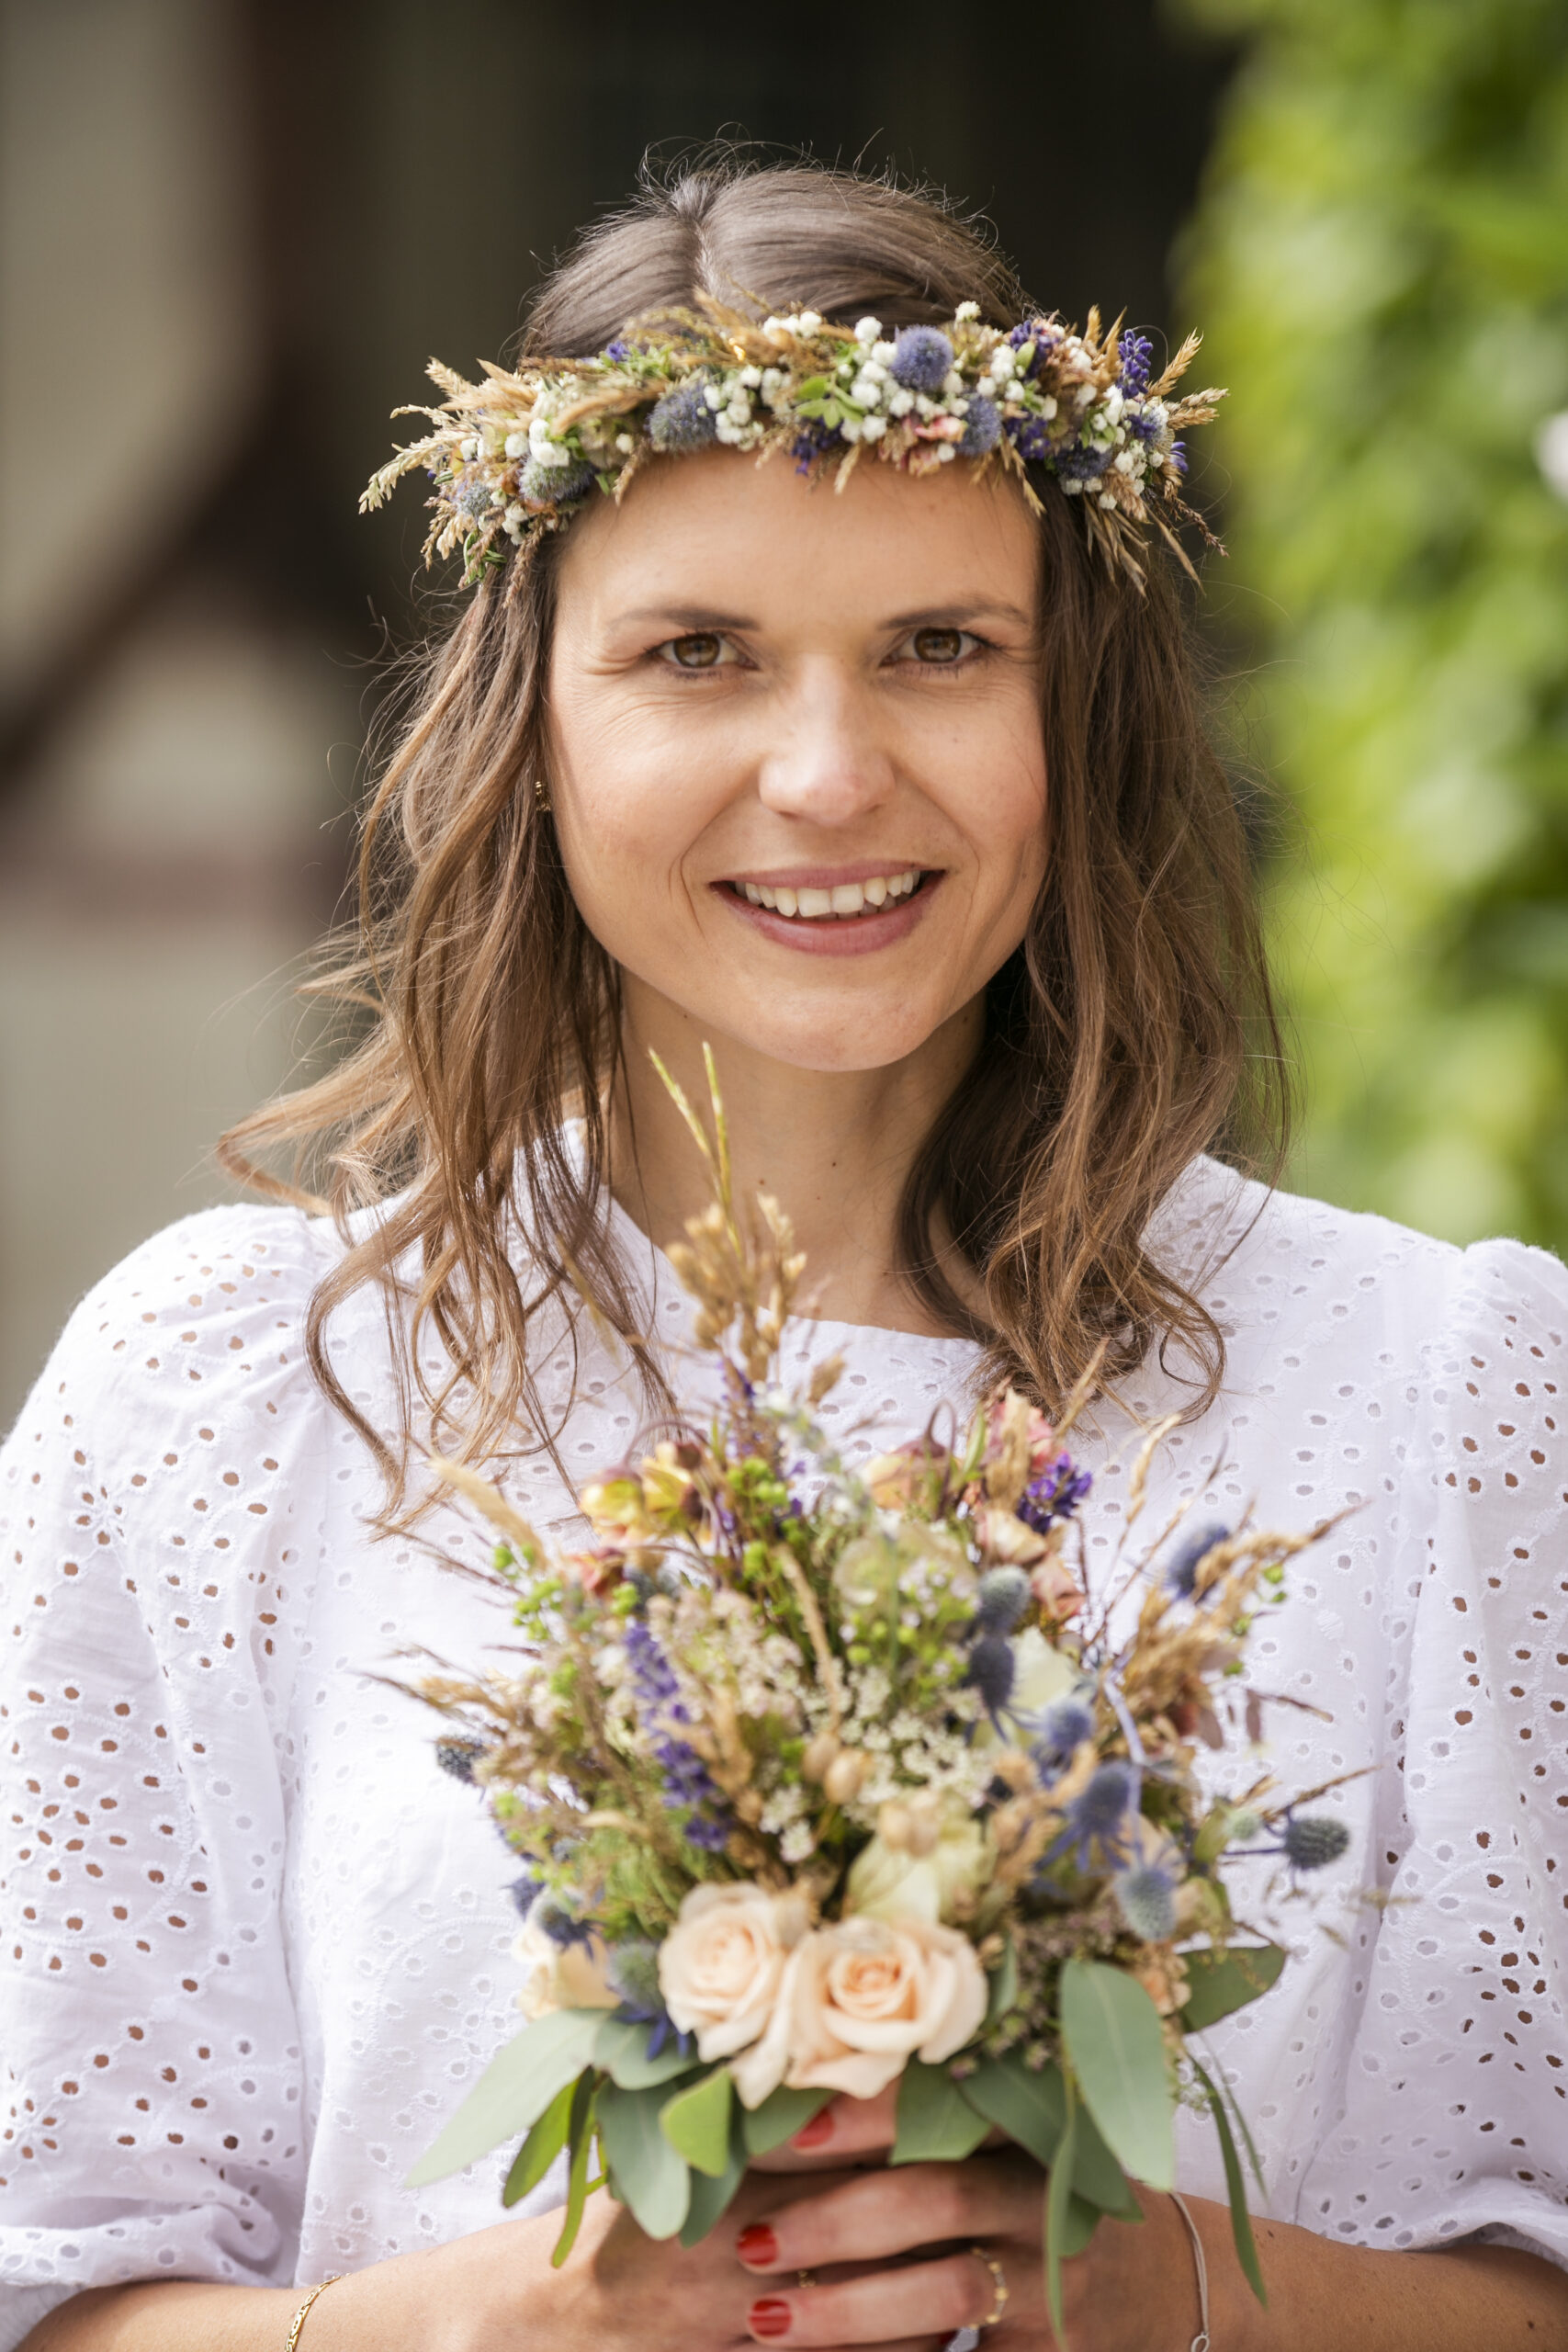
{"x": 516, "y": 456}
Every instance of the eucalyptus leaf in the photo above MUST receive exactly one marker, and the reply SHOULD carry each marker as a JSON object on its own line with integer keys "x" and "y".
{"x": 1082, "y": 2220}
{"x": 581, "y": 2134}
{"x": 780, "y": 2116}
{"x": 542, "y": 2146}
{"x": 622, "y": 2051}
{"x": 1030, "y": 2108}
{"x": 1235, "y": 2188}
{"x": 1097, "y": 2179}
{"x": 1224, "y": 1981}
{"x": 696, "y": 2121}
{"x": 936, "y": 2123}
{"x": 711, "y": 2196}
{"x": 1058, "y": 2208}
{"x": 513, "y": 2091}
{"x": 650, "y": 2177}
{"x": 1114, "y": 2039}
{"x": 1002, "y": 1992}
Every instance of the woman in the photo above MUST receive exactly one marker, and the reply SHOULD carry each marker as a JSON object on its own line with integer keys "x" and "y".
{"x": 258, "y": 1954}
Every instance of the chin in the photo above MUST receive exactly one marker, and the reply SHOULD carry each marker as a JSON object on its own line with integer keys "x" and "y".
{"x": 865, "y": 1042}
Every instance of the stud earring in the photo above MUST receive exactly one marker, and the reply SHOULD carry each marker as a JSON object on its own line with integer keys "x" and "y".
{"x": 541, "y": 796}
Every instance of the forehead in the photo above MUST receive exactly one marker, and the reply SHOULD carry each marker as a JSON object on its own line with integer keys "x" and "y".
{"x": 720, "y": 526}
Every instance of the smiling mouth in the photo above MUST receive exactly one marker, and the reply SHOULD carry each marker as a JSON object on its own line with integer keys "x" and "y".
{"x": 844, "y": 903}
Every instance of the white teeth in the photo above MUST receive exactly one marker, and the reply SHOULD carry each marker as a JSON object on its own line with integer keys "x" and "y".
{"x": 844, "y": 901}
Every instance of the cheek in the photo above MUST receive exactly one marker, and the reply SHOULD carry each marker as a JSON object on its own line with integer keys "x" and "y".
{"x": 628, "y": 809}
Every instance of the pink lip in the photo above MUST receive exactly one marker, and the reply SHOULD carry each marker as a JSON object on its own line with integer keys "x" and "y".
{"x": 845, "y": 935}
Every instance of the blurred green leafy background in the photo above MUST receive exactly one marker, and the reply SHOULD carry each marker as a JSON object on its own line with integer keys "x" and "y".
{"x": 1380, "y": 259}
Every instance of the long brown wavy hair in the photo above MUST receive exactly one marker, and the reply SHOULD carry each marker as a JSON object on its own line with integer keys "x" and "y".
{"x": 1132, "y": 1029}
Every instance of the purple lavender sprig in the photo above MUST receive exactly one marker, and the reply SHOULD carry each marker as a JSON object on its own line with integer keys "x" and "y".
{"x": 1054, "y": 1494}
{"x": 687, "y": 1781}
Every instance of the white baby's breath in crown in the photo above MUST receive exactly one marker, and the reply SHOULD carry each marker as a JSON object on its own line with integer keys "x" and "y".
{"x": 517, "y": 456}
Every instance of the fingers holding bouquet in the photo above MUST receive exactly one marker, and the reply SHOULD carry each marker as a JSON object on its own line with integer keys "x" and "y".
{"x": 936, "y": 2248}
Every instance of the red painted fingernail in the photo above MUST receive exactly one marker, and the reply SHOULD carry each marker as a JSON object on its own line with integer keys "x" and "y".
{"x": 758, "y": 2245}
{"x": 813, "y": 2134}
{"x": 769, "y": 2317}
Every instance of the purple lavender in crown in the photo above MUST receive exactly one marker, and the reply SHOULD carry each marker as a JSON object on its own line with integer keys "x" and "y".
{"x": 1074, "y": 463}
{"x": 1030, "y": 437}
{"x": 1137, "y": 356}
{"x": 812, "y": 441}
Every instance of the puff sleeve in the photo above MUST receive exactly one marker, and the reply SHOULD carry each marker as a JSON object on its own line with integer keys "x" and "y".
{"x": 1453, "y": 2116}
{"x": 148, "y": 1495}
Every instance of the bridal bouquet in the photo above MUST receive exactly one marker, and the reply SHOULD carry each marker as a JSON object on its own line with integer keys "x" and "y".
{"x": 823, "y": 1779}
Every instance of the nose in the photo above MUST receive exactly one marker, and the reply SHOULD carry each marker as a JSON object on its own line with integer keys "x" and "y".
{"x": 829, "y": 764}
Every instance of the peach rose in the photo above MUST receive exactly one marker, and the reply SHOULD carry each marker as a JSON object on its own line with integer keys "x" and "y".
{"x": 720, "y": 1966}
{"x": 859, "y": 1999}
{"x": 561, "y": 1976}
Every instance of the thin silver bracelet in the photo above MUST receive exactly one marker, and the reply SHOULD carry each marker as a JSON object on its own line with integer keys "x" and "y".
{"x": 1200, "y": 2341}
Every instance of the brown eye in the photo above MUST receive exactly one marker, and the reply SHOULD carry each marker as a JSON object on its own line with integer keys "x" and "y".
{"x": 699, "y": 652}
{"x": 937, "y": 645}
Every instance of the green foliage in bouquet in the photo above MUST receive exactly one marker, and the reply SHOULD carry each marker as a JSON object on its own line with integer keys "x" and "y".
{"x": 1381, "y": 255}
{"x": 824, "y": 1779}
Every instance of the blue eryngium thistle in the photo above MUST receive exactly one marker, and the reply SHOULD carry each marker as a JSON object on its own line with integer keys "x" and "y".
{"x": 982, "y": 426}
{"x": 683, "y": 419}
{"x": 556, "y": 485}
{"x": 992, "y": 1671}
{"x": 526, "y": 1891}
{"x": 1181, "y": 1568}
{"x": 1065, "y": 1725}
{"x": 459, "y": 1757}
{"x": 1096, "y": 1814}
{"x": 633, "y": 1971}
{"x": 1001, "y": 1599}
{"x": 922, "y": 357}
{"x": 1148, "y": 1900}
{"x": 561, "y": 1926}
{"x": 1311, "y": 1841}
{"x": 475, "y": 499}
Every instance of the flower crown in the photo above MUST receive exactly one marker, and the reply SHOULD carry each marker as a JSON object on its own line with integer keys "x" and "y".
{"x": 516, "y": 457}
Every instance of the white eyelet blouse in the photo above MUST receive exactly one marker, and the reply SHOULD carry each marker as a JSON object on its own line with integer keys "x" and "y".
{"x": 256, "y": 1946}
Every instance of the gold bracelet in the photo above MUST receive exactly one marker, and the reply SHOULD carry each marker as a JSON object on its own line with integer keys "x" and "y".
{"x": 303, "y": 2313}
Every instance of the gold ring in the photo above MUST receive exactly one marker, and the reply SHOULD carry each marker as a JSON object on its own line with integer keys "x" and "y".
{"x": 805, "y": 2278}
{"x": 999, "y": 2284}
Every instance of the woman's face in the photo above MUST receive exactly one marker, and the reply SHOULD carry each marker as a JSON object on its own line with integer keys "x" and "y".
{"x": 796, "y": 759}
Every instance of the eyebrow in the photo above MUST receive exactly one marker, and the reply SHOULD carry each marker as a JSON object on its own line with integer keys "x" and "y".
{"x": 699, "y": 618}
{"x": 694, "y": 618}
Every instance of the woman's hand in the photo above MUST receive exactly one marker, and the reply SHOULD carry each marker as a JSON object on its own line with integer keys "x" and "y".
{"x": 910, "y": 2230}
{"x": 909, "y": 2233}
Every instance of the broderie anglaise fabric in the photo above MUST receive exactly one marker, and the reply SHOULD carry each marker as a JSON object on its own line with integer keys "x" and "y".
{"x": 256, "y": 1946}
